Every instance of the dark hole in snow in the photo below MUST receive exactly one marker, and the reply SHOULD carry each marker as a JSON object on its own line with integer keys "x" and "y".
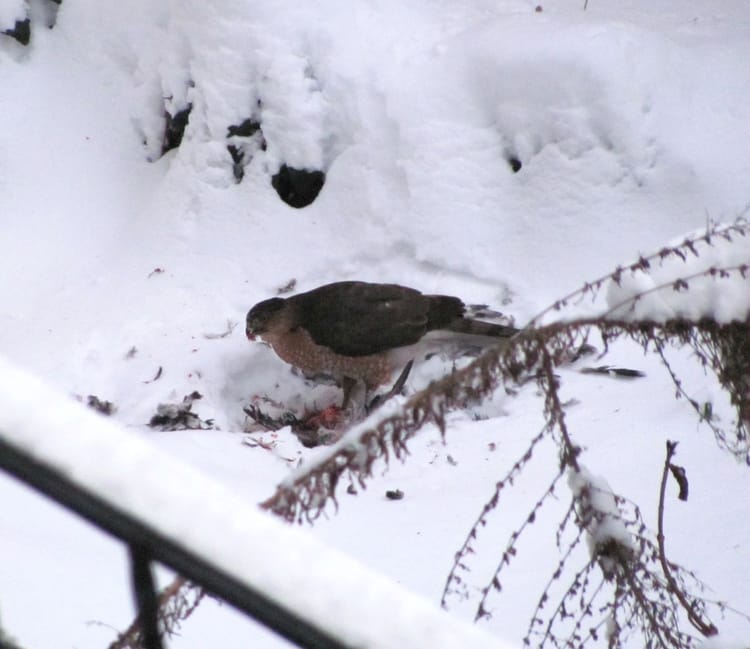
{"x": 297, "y": 187}
{"x": 21, "y": 31}
{"x": 515, "y": 164}
{"x": 175, "y": 128}
{"x": 246, "y": 129}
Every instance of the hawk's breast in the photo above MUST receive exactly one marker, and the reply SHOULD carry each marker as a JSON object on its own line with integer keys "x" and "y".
{"x": 298, "y": 348}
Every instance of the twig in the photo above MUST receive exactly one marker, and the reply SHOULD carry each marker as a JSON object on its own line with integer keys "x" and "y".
{"x": 510, "y": 548}
{"x": 706, "y": 628}
{"x": 556, "y": 574}
{"x": 481, "y": 520}
{"x": 636, "y": 590}
{"x": 157, "y": 376}
{"x": 556, "y": 413}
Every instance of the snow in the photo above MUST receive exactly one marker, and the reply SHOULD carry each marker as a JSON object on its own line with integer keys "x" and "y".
{"x": 12, "y": 11}
{"x": 719, "y": 643}
{"x": 630, "y": 122}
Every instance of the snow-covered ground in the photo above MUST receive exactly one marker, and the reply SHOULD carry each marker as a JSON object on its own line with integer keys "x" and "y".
{"x": 630, "y": 123}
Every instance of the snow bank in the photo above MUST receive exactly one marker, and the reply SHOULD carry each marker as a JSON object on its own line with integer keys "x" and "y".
{"x": 328, "y": 588}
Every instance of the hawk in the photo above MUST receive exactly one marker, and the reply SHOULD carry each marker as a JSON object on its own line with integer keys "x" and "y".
{"x": 361, "y": 333}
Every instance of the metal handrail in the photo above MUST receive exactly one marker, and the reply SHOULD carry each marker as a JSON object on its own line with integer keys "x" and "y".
{"x": 147, "y": 545}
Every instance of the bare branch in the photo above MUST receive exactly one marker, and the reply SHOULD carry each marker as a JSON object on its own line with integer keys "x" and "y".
{"x": 706, "y": 628}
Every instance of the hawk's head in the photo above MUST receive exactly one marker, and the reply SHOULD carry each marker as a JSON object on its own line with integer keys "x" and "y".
{"x": 261, "y": 317}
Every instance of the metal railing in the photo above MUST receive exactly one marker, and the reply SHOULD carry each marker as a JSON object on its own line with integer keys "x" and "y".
{"x": 146, "y": 545}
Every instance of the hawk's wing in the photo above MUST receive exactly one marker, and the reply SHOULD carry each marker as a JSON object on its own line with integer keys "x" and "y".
{"x": 358, "y": 318}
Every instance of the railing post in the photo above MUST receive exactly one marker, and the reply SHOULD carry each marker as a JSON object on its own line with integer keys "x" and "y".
{"x": 146, "y": 599}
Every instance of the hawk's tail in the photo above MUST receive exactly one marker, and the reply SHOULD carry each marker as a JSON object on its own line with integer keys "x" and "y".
{"x": 481, "y": 328}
